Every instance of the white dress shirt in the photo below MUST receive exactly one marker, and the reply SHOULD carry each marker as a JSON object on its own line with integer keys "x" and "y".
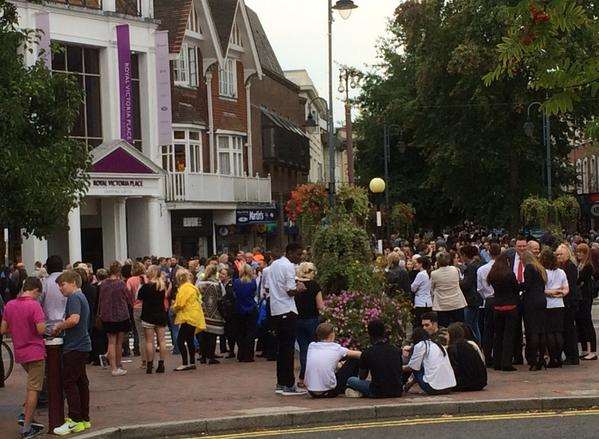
{"x": 438, "y": 372}
{"x": 556, "y": 280}
{"x": 482, "y": 285}
{"x": 264, "y": 285}
{"x": 281, "y": 279}
{"x": 421, "y": 287}
{"x": 515, "y": 267}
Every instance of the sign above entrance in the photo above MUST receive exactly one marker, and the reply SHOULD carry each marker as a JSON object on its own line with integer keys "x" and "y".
{"x": 256, "y": 216}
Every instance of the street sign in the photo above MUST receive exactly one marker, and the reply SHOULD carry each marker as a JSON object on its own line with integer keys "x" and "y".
{"x": 256, "y": 216}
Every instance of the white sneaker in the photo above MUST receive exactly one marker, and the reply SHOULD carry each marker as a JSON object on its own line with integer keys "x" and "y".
{"x": 103, "y": 361}
{"x": 293, "y": 391}
{"x": 119, "y": 372}
{"x": 351, "y": 393}
{"x": 69, "y": 427}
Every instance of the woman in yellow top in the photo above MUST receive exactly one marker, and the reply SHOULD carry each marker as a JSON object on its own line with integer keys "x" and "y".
{"x": 190, "y": 317}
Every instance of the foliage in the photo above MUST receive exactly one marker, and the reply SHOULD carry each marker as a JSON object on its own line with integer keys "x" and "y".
{"x": 307, "y": 206}
{"x": 555, "y": 43}
{"x": 351, "y": 311}
{"x": 550, "y": 214}
{"x": 402, "y": 217}
{"x": 42, "y": 169}
{"x": 467, "y": 155}
{"x": 342, "y": 254}
{"x": 352, "y": 202}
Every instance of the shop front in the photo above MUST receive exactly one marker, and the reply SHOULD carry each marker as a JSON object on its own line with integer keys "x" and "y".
{"x": 252, "y": 227}
{"x": 192, "y": 233}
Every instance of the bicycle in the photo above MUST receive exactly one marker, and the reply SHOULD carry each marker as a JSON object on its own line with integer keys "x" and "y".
{"x": 7, "y": 358}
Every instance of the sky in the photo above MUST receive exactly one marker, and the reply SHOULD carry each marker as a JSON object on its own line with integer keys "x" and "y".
{"x": 297, "y": 30}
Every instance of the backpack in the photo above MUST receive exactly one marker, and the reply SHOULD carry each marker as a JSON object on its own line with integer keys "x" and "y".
{"x": 226, "y": 304}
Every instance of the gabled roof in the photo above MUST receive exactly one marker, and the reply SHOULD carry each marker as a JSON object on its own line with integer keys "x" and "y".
{"x": 119, "y": 157}
{"x": 266, "y": 54}
{"x": 173, "y": 15}
{"x": 223, "y": 14}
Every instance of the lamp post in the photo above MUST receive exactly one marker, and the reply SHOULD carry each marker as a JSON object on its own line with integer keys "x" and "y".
{"x": 345, "y": 8}
{"x": 529, "y": 130}
{"x": 377, "y": 187}
{"x": 348, "y": 79}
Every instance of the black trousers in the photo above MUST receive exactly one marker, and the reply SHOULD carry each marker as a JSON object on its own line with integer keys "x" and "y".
{"x": 505, "y": 324}
{"x": 207, "y": 344}
{"x": 570, "y": 334}
{"x": 487, "y": 333}
{"x": 76, "y": 384}
{"x": 584, "y": 325}
{"x": 246, "y": 335}
{"x": 285, "y": 327}
{"x": 185, "y": 343}
{"x": 518, "y": 342}
{"x": 446, "y": 318}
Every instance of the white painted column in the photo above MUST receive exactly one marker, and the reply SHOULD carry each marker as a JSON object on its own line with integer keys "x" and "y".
{"x": 74, "y": 235}
{"x": 213, "y": 153}
{"x": 114, "y": 230}
{"x": 121, "y": 228}
{"x": 109, "y": 5}
{"x": 153, "y": 212}
{"x": 147, "y": 10}
{"x": 111, "y": 110}
{"x": 249, "y": 129}
{"x": 34, "y": 249}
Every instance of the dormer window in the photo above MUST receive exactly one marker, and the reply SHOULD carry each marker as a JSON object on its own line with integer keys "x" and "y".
{"x": 193, "y": 21}
{"x": 236, "y": 36}
{"x": 185, "y": 67}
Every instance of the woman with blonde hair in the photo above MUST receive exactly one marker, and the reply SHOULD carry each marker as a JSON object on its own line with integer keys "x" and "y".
{"x": 212, "y": 294}
{"x": 587, "y": 259}
{"x": 534, "y": 303}
{"x": 189, "y": 315}
{"x": 154, "y": 317}
{"x": 567, "y": 262}
{"x": 309, "y": 304}
{"x": 246, "y": 312}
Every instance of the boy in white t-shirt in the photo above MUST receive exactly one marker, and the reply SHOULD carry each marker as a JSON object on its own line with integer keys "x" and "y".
{"x": 322, "y": 361}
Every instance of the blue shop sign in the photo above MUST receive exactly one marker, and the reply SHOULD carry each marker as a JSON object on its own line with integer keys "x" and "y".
{"x": 256, "y": 216}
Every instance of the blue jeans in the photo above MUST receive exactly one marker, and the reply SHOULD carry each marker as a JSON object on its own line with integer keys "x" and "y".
{"x": 174, "y": 331}
{"x": 426, "y": 387}
{"x": 362, "y": 386}
{"x": 471, "y": 318}
{"x": 304, "y": 334}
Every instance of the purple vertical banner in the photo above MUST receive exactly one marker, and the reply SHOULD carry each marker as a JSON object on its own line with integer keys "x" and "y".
{"x": 163, "y": 89}
{"x": 123, "y": 46}
{"x": 42, "y": 23}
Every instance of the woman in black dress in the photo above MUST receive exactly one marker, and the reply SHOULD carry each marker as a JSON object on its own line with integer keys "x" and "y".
{"x": 587, "y": 260}
{"x": 505, "y": 312}
{"x": 534, "y": 303}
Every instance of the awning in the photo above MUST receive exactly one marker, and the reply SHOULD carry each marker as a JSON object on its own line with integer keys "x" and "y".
{"x": 281, "y": 122}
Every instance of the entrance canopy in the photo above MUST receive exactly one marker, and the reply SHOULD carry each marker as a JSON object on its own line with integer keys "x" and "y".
{"x": 119, "y": 169}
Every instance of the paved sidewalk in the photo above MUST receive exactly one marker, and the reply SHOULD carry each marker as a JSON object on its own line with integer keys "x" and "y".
{"x": 237, "y": 389}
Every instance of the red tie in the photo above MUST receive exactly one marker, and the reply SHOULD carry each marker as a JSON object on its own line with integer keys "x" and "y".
{"x": 520, "y": 271}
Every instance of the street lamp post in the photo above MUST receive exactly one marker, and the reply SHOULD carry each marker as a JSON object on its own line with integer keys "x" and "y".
{"x": 345, "y": 8}
{"x": 377, "y": 187}
{"x": 529, "y": 130}
{"x": 348, "y": 79}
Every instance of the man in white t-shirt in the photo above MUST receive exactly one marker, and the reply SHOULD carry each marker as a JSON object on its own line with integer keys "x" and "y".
{"x": 323, "y": 358}
{"x": 282, "y": 289}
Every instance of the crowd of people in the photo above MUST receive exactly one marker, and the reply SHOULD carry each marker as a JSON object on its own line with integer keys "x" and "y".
{"x": 478, "y": 301}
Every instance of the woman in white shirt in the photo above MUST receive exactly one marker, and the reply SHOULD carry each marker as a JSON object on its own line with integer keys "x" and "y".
{"x": 429, "y": 362}
{"x": 421, "y": 288}
{"x": 555, "y": 290}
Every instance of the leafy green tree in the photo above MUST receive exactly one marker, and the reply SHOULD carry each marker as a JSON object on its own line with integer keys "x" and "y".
{"x": 555, "y": 43}
{"x": 461, "y": 151}
{"x": 41, "y": 168}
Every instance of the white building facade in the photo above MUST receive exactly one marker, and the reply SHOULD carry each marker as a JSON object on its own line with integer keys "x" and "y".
{"x": 124, "y": 212}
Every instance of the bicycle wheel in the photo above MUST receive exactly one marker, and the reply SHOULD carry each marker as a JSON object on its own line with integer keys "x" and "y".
{"x": 8, "y": 359}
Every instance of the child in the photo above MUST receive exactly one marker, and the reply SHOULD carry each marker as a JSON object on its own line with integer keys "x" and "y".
{"x": 76, "y": 349}
{"x": 24, "y": 319}
{"x": 321, "y": 363}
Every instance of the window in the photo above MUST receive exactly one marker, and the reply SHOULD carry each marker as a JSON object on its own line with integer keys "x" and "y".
{"x": 228, "y": 79}
{"x": 230, "y": 155}
{"x": 193, "y": 22}
{"x": 185, "y": 67}
{"x": 236, "y": 36}
{"x": 185, "y": 155}
{"x": 84, "y": 64}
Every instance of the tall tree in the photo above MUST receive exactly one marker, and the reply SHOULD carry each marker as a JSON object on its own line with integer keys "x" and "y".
{"x": 467, "y": 156}
{"x": 555, "y": 43}
{"x": 41, "y": 168}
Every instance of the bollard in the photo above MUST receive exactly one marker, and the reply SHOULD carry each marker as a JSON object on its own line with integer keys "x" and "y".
{"x": 55, "y": 393}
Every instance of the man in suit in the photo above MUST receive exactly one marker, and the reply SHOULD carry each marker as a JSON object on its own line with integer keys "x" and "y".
{"x": 516, "y": 255}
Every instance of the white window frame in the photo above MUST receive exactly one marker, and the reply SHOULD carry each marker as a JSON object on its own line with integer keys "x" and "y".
{"x": 185, "y": 67}
{"x": 228, "y": 79}
{"x": 236, "y": 39}
{"x": 234, "y": 151}
{"x": 194, "y": 156}
{"x": 193, "y": 21}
